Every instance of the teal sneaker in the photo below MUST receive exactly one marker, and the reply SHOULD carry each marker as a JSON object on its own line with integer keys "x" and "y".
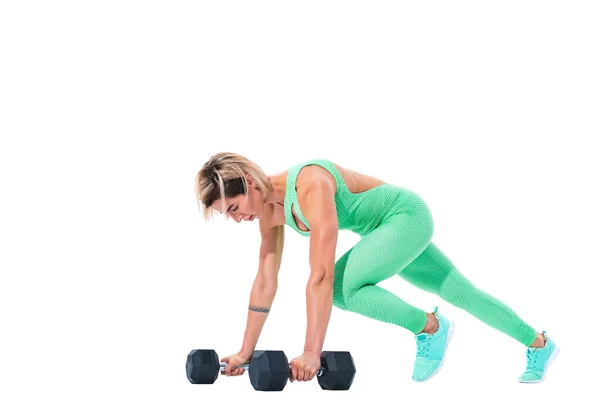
{"x": 431, "y": 349}
{"x": 538, "y": 361}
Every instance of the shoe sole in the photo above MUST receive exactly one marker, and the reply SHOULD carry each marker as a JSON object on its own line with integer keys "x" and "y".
{"x": 550, "y": 360}
{"x": 450, "y": 332}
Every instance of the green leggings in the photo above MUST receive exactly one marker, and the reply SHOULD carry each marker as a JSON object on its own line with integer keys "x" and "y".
{"x": 401, "y": 245}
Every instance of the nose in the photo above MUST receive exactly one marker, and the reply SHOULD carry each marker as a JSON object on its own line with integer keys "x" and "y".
{"x": 236, "y": 218}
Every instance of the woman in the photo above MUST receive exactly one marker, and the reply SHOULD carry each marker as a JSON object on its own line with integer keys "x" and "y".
{"x": 317, "y": 198}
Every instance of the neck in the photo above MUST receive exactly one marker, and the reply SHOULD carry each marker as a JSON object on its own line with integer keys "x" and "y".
{"x": 277, "y": 192}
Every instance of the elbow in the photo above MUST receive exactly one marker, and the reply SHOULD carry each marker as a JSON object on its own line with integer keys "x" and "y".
{"x": 266, "y": 285}
{"x": 320, "y": 278}
{"x": 270, "y": 287}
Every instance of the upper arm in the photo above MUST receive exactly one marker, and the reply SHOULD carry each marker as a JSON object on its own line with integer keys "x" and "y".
{"x": 271, "y": 250}
{"x": 317, "y": 202}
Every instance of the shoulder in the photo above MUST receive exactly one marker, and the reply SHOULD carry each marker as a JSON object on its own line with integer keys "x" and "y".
{"x": 315, "y": 177}
{"x": 316, "y": 189}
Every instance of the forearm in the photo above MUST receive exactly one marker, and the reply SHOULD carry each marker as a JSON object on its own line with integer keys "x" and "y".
{"x": 319, "y": 300}
{"x": 261, "y": 299}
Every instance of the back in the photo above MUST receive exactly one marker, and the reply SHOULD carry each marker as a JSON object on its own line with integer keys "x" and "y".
{"x": 359, "y": 210}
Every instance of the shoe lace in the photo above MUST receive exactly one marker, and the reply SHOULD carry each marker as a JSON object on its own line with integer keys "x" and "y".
{"x": 423, "y": 347}
{"x": 531, "y": 358}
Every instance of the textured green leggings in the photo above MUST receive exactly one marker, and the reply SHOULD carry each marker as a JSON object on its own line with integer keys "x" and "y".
{"x": 401, "y": 245}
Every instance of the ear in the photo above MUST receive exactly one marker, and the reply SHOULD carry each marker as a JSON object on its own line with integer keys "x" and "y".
{"x": 251, "y": 181}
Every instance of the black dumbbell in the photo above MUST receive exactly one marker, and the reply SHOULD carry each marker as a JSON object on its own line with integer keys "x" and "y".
{"x": 269, "y": 369}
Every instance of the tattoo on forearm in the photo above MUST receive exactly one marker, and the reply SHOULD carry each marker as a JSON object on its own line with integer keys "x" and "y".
{"x": 258, "y": 309}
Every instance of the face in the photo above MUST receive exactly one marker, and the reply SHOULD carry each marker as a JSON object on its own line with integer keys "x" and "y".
{"x": 243, "y": 207}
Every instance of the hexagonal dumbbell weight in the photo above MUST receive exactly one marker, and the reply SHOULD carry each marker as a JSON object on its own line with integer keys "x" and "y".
{"x": 338, "y": 370}
{"x": 269, "y": 369}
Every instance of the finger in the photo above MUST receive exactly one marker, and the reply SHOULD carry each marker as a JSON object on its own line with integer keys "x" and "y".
{"x": 301, "y": 374}
{"x": 231, "y": 366}
{"x": 294, "y": 372}
{"x": 225, "y": 360}
{"x": 233, "y": 370}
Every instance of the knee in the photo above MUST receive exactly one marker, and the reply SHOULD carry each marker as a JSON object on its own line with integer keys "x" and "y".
{"x": 346, "y": 298}
{"x": 338, "y": 296}
{"x": 344, "y": 295}
{"x": 459, "y": 294}
{"x": 457, "y": 299}
{"x": 338, "y": 302}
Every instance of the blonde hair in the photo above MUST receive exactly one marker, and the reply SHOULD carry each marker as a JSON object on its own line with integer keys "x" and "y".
{"x": 224, "y": 176}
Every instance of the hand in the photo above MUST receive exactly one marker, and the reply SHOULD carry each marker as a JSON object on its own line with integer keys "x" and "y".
{"x": 235, "y": 364}
{"x": 305, "y": 367}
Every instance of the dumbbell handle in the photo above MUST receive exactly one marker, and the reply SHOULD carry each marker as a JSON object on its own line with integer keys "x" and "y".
{"x": 247, "y": 366}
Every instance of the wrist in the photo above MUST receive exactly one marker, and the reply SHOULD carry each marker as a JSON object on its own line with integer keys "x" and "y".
{"x": 246, "y": 353}
{"x": 309, "y": 350}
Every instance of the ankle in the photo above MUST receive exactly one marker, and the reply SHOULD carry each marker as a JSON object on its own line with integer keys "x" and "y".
{"x": 540, "y": 341}
{"x": 432, "y": 324}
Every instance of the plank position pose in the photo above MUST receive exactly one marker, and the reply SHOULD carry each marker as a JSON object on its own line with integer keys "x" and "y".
{"x": 317, "y": 198}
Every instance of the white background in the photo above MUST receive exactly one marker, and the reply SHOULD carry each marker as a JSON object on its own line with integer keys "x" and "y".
{"x": 109, "y": 276}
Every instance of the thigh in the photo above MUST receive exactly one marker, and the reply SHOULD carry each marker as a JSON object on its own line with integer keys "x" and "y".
{"x": 385, "y": 251}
